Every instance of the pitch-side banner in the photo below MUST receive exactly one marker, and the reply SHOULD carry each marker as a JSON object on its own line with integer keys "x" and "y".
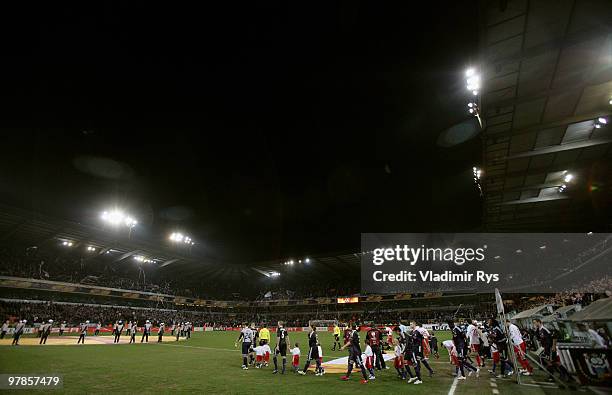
{"x": 481, "y": 262}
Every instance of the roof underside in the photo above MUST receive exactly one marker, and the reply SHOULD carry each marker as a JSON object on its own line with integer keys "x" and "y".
{"x": 547, "y": 70}
{"x": 21, "y": 227}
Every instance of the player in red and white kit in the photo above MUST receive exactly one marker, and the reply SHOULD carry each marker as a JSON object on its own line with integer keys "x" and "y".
{"x": 520, "y": 348}
{"x": 398, "y": 362}
{"x": 259, "y": 356}
{"x": 473, "y": 335}
{"x": 389, "y": 333}
{"x": 374, "y": 339}
{"x": 368, "y": 359}
{"x": 452, "y": 353}
{"x": 295, "y": 357}
{"x": 267, "y": 351}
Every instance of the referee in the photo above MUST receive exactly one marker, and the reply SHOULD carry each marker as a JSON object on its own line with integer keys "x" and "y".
{"x": 264, "y": 334}
{"x": 336, "y": 337}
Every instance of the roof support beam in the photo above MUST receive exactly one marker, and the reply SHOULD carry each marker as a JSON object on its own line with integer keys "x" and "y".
{"x": 561, "y": 148}
{"x": 534, "y": 200}
{"x": 126, "y": 255}
{"x": 169, "y": 262}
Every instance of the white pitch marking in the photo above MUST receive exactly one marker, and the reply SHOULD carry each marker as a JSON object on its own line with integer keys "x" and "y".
{"x": 453, "y": 387}
{"x": 200, "y": 347}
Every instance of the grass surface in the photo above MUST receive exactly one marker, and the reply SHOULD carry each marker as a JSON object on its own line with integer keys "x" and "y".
{"x": 209, "y": 363}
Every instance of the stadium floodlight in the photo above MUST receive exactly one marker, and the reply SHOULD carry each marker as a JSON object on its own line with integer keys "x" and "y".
{"x": 473, "y": 108}
{"x": 600, "y": 122}
{"x": 118, "y": 217}
{"x": 178, "y": 237}
{"x": 472, "y": 81}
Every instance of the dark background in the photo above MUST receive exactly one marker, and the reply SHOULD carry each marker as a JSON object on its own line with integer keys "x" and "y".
{"x": 262, "y": 130}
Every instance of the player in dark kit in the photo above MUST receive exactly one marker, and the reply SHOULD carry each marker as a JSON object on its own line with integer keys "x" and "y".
{"x": 404, "y": 343}
{"x": 459, "y": 341}
{"x": 118, "y": 330}
{"x": 133, "y": 333}
{"x": 374, "y": 336}
{"x": 413, "y": 354}
{"x": 46, "y": 331}
{"x": 417, "y": 344}
{"x": 160, "y": 332}
{"x": 83, "y": 333}
{"x": 246, "y": 335}
{"x": 19, "y": 329}
{"x": 146, "y": 331}
{"x": 354, "y": 347}
{"x": 433, "y": 342}
{"x": 313, "y": 352}
{"x": 282, "y": 339}
{"x": 548, "y": 356}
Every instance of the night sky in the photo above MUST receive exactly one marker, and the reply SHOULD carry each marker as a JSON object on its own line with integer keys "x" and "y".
{"x": 264, "y": 130}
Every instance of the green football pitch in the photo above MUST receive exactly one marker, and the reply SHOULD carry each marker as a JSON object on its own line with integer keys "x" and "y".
{"x": 209, "y": 363}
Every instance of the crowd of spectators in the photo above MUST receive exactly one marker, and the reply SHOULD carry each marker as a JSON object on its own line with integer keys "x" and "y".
{"x": 31, "y": 263}
{"x": 74, "y": 314}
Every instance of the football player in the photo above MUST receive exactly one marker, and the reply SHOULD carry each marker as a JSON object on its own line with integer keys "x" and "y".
{"x": 282, "y": 340}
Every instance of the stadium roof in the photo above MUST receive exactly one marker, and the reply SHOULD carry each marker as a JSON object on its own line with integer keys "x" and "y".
{"x": 534, "y": 312}
{"x": 548, "y": 77}
{"x": 35, "y": 229}
{"x": 41, "y": 231}
{"x": 600, "y": 310}
{"x": 562, "y": 312}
